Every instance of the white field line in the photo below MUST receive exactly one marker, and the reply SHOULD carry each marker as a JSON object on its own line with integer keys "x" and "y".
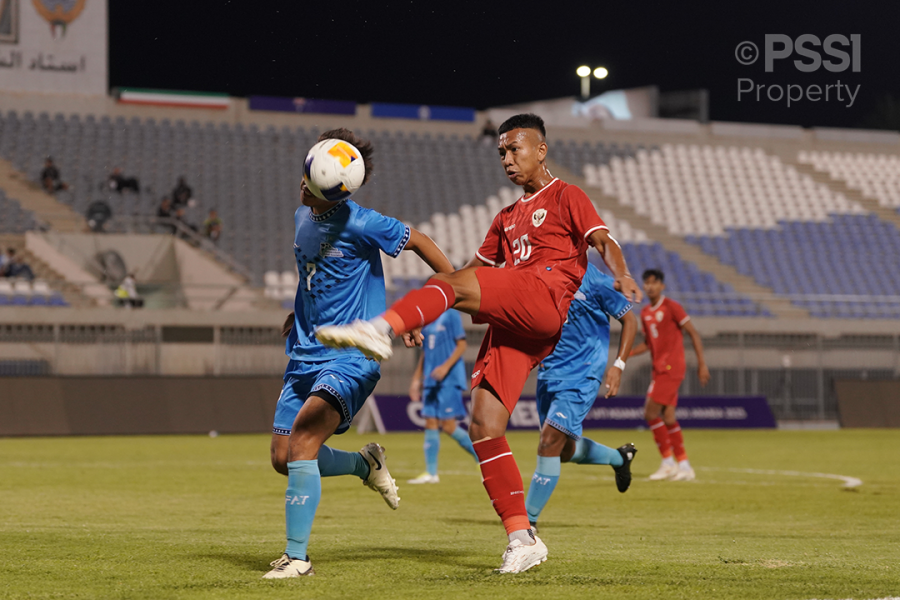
{"x": 849, "y": 482}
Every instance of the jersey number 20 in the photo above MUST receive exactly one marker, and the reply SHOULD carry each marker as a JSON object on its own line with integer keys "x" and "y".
{"x": 522, "y": 247}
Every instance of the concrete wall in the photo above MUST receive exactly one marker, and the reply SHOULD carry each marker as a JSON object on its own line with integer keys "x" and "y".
{"x": 137, "y": 405}
{"x": 869, "y": 403}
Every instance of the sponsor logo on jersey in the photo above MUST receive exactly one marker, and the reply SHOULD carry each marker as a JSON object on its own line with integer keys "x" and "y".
{"x": 538, "y": 216}
{"x": 513, "y": 226}
{"x": 660, "y": 316}
{"x": 476, "y": 374}
{"x": 326, "y": 249}
{"x": 561, "y": 416}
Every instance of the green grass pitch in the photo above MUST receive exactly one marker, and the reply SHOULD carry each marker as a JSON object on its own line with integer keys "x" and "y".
{"x": 200, "y": 517}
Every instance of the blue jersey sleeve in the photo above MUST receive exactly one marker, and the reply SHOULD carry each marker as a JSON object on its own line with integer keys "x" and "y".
{"x": 456, "y": 326}
{"x": 605, "y": 295}
{"x": 385, "y": 233}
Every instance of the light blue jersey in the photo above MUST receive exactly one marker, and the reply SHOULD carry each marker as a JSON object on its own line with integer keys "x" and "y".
{"x": 583, "y": 348}
{"x": 341, "y": 278}
{"x": 439, "y": 343}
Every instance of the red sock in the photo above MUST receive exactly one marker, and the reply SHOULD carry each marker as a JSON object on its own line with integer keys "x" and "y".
{"x": 661, "y": 434}
{"x": 420, "y": 307}
{"x": 677, "y": 441}
{"x": 503, "y": 482}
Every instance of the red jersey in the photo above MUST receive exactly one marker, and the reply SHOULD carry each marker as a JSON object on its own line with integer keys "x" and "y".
{"x": 545, "y": 234}
{"x": 662, "y": 333}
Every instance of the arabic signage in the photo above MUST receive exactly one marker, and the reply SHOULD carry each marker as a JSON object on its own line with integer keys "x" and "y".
{"x": 397, "y": 413}
{"x": 303, "y": 105}
{"x": 55, "y": 46}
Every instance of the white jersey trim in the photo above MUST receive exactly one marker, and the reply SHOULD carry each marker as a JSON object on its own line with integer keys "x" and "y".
{"x": 537, "y": 193}
{"x": 658, "y": 304}
{"x": 684, "y": 320}
{"x": 593, "y": 229}
{"x": 485, "y": 260}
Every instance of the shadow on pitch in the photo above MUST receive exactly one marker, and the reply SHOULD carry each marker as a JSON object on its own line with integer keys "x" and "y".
{"x": 548, "y": 524}
{"x": 253, "y": 562}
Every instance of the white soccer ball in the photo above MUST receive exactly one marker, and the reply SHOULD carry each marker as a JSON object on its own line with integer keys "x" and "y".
{"x": 333, "y": 170}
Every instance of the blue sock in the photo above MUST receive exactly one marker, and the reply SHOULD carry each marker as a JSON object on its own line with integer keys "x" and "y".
{"x": 339, "y": 462}
{"x": 589, "y": 452}
{"x": 462, "y": 438}
{"x": 432, "y": 446}
{"x": 546, "y": 474}
{"x": 300, "y": 502}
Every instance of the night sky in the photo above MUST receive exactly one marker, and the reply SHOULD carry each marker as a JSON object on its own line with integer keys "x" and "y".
{"x": 483, "y": 54}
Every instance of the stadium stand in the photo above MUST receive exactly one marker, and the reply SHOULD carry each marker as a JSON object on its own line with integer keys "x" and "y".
{"x": 771, "y": 222}
{"x": 875, "y": 175}
{"x": 13, "y": 218}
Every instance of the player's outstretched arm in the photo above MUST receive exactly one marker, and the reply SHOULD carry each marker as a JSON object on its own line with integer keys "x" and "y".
{"x": 475, "y": 263}
{"x": 626, "y": 340}
{"x": 415, "y": 386}
{"x": 428, "y": 251}
{"x": 702, "y": 370}
{"x": 612, "y": 255}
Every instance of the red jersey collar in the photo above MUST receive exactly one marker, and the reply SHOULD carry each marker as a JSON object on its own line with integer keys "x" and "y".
{"x": 658, "y": 304}
{"x": 537, "y": 193}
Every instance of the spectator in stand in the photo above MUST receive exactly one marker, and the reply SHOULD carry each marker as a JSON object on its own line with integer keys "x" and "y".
{"x": 164, "y": 213}
{"x": 489, "y": 133}
{"x": 50, "y": 178}
{"x": 5, "y": 258}
{"x": 181, "y": 215}
{"x": 16, "y": 267}
{"x": 127, "y": 293}
{"x": 212, "y": 226}
{"x": 182, "y": 193}
{"x": 118, "y": 182}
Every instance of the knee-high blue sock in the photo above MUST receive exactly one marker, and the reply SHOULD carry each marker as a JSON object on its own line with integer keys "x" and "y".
{"x": 300, "y": 502}
{"x": 546, "y": 474}
{"x": 589, "y": 452}
{"x": 462, "y": 438}
{"x": 339, "y": 462}
{"x": 432, "y": 446}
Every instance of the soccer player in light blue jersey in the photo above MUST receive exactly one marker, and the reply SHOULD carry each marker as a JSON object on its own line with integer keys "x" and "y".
{"x": 438, "y": 382}
{"x": 338, "y": 248}
{"x": 568, "y": 382}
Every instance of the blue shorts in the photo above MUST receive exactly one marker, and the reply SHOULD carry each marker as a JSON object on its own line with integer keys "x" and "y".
{"x": 441, "y": 402}
{"x": 565, "y": 404}
{"x": 351, "y": 380}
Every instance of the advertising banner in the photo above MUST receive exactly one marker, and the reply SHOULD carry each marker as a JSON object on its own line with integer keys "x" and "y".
{"x": 302, "y": 105}
{"x": 53, "y": 46}
{"x": 397, "y": 413}
{"x": 422, "y": 112}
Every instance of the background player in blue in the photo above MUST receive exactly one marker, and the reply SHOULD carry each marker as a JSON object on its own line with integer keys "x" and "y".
{"x": 438, "y": 382}
{"x": 338, "y": 248}
{"x": 568, "y": 382}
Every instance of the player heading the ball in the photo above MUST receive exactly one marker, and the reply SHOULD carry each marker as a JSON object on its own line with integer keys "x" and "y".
{"x": 338, "y": 246}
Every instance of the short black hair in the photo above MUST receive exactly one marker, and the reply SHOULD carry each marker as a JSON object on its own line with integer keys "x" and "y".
{"x": 364, "y": 146}
{"x": 523, "y": 121}
{"x": 657, "y": 273}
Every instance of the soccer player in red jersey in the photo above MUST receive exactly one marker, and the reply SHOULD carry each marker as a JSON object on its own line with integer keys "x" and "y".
{"x": 663, "y": 321}
{"x": 542, "y": 239}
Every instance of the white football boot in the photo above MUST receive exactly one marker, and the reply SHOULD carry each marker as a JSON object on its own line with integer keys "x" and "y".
{"x": 665, "y": 471}
{"x": 361, "y": 335}
{"x": 286, "y": 567}
{"x": 424, "y": 478}
{"x": 380, "y": 478}
{"x": 521, "y": 557}
{"x": 684, "y": 474}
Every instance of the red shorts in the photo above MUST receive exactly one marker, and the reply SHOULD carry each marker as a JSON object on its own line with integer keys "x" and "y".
{"x": 664, "y": 389}
{"x": 524, "y": 328}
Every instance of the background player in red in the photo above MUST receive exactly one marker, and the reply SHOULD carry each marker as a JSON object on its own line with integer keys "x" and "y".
{"x": 542, "y": 239}
{"x": 663, "y": 322}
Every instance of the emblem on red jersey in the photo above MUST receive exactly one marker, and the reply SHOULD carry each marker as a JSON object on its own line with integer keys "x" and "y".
{"x": 538, "y": 216}
{"x": 659, "y": 316}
